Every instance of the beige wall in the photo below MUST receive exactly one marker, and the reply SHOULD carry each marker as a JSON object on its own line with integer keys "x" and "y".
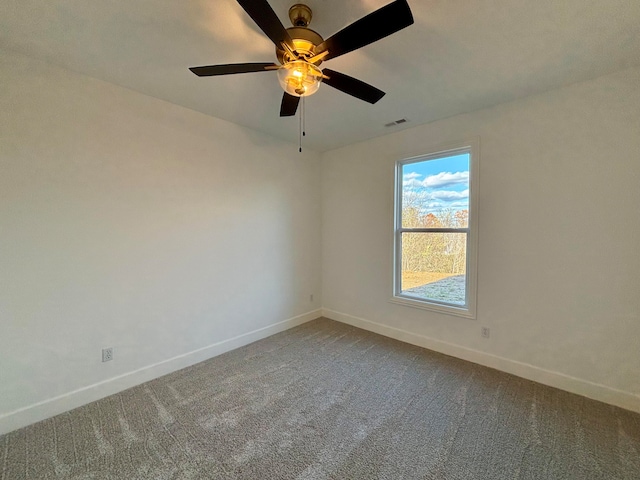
{"x": 127, "y": 221}
{"x": 559, "y": 259}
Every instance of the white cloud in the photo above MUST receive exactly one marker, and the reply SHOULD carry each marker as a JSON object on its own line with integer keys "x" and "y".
{"x": 444, "y": 179}
{"x": 411, "y": 176}
{"x": 463, "y": 204}
{"x": 411, "y": 184}
{"x": 449, "y": 195}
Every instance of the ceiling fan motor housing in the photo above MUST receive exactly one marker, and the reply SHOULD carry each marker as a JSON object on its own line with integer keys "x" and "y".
{"x": 305, "y": 40}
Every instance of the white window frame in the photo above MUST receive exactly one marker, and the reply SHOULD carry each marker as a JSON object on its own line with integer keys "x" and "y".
{"x": 472, "y": 147}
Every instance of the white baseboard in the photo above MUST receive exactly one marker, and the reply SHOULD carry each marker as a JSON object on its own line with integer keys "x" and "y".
{"x": 68, "y": 401}
{"x": 568, "y": 383}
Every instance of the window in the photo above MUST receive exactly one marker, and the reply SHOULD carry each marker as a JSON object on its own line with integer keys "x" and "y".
{"x": 436, "y": 230}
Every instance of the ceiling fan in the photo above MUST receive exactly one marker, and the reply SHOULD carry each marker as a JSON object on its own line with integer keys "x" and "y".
{"x": 300, "y": 50}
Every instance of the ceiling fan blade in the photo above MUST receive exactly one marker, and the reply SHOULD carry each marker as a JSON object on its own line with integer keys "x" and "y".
{"x": 263, "y": 15}
{"x": 352, "y": 86}
{"x": 379, "y": 24}
{"x": 231, "y": 68}
{"x": 289, "y": 105}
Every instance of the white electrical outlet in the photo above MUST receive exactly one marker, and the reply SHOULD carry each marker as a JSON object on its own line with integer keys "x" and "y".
{"x": 485, "y": 332}
{"x": 107, "y": 354}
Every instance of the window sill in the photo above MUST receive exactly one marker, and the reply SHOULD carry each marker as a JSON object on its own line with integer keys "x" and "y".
{"x": 434, "y": 307}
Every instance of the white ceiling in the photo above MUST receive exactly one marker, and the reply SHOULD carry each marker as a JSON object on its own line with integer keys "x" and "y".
{"x": 459, "y": 56}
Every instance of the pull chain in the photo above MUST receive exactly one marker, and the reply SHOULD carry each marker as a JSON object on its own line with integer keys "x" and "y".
{"x": 300, "y": 127}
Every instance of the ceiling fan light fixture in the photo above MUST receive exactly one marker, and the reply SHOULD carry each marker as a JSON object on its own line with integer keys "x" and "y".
{"x": 300, "y": 78}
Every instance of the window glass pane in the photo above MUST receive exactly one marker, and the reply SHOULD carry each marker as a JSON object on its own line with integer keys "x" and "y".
{"x": 435, "y": 193}
{"x": 434, "y": 266}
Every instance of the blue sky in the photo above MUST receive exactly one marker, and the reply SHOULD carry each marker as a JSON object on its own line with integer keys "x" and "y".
{"x": 438, "y": 185}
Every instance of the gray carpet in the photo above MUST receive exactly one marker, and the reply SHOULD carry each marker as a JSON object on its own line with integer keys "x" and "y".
{"x": 326, "y": 400}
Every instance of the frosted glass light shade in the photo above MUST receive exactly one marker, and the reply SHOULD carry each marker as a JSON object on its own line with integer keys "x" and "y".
{"x": 300, "y": 78}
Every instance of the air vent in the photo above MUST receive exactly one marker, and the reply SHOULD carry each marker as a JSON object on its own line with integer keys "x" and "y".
{"x": 397, "y": 122}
